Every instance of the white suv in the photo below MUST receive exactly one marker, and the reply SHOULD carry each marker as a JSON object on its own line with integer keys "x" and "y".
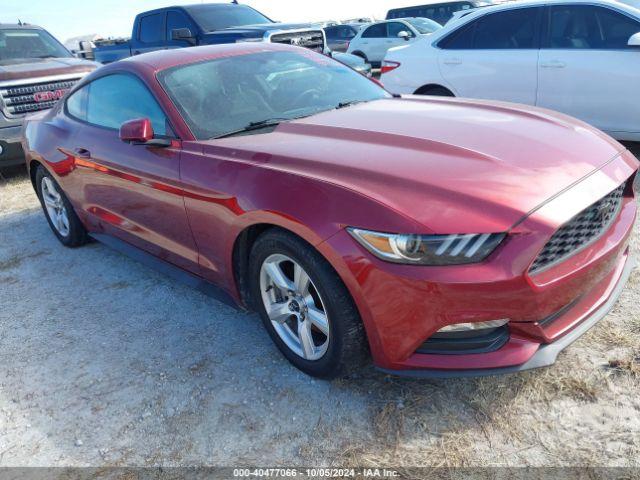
{"x": 579, "y": 58}
{"x": 373, "y": 41}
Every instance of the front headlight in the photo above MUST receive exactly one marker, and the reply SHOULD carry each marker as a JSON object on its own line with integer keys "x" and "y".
{"x": 455, "y": 249}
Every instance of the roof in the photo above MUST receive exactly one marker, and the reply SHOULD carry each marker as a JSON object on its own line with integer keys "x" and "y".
{"x": 192, "y": 6}
{"x": 479, "y": 12}
{"x": 26, "y": 26}
{"x": 163, "y": 59}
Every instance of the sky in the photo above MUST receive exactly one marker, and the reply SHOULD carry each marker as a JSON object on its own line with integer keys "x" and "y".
{"x": 114, "y": 18}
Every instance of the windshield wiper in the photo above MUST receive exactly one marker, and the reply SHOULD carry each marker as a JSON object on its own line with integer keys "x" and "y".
{"x": 349, "y": 103}
{"x": 259, "y": 125}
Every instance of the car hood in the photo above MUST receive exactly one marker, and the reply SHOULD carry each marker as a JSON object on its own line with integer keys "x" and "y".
{"x": 33, "y": 67}
{"x": 441, "y": 162}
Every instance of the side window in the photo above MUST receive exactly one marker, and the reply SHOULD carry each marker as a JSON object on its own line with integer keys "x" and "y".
{"x": 460, "y": 39}
{"x": 77, "y": 103}
{"x": 152, "y": 28}
{"x": 112, "y": 100}
{"x": 394, "y": 28}
{"x": 378, "y": 30}
{"x": 331, "y": 33}
{"x": 589, "y": 27}
{"x": 616, "y": 28}
{"x": 176, "y": 19}
{"x": 511, "y": 29}
{"x": 347, "y": 33}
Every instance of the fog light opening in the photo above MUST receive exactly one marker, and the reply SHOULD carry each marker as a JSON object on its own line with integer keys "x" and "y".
{"x": 474, "y": 326}
{"x": 467, "y": 338}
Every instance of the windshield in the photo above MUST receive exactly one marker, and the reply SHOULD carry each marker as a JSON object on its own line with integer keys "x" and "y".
{"x": 21, "y": 43}
{"x": 216, "y": 17}
{"x": 227, "y": 94}
{"x": 424, "y": 25}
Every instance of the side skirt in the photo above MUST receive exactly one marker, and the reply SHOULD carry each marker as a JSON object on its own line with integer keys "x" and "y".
{"x": 166, "y": 268}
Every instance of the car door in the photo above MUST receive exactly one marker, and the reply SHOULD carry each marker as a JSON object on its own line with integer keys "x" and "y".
{"x": 151, "y": 33}
{"x": 373, "y": 41}
{"x": 494, "y": 56}
{"x": 587, "y": 70}
{"x": 129, "y": 191}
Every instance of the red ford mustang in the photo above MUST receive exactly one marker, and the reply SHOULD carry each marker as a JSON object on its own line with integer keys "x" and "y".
{"x": 440, "y": 236}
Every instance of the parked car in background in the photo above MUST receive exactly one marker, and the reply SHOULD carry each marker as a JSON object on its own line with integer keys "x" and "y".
{"x": 372, "y": 41}
{"x": 206, "y": 24}
{"x": 582, "y": 59}
{"x": 353, "y": 61}
{"x": 440, "y": 12}
{"x": 443, "y": 237}
{"x": 339, "y": 36}
{"x": 35, "y": 71}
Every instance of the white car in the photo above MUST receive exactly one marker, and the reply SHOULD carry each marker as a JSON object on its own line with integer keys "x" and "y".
{"x": 579, "y": 58}
{"x": 373, "y": 41}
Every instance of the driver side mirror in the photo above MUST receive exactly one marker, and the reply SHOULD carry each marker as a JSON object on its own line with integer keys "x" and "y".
{"x": 404, "y": 35}
{"x": 634, "y": 40}
{"x": 183, "y": 35}
{"x": 140, "y": 132}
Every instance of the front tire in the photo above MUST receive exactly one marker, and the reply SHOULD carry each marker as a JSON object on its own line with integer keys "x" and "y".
{"x": 61, "y": 216}
{"x": 305, "y": 307}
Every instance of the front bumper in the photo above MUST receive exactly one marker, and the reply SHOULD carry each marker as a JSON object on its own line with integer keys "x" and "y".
{"x": 10, "y": 146}
{"x": 402, "y": 306}
{"x": 546, "y": 354}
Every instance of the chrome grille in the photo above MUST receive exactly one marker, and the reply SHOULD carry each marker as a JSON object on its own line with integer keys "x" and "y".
{"x": 312, "y": 39}
{"x": 580, "y": 231}
{"x": 33, "y": 97}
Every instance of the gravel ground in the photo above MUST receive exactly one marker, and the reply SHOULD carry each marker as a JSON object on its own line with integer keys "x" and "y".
{"x": 105, "y": 362}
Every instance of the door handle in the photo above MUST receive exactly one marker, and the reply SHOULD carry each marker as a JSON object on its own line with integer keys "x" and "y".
{"x": 553, "y": 64}
{"x": 452, "y": 61}
{"x": 82, "y": 153}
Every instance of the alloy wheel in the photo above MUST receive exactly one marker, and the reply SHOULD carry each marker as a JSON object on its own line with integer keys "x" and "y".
{"x": 55, "y": 207}
{"x": 295, "y": 307}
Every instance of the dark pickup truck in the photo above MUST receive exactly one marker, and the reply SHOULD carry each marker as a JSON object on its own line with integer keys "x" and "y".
{"x": 35, "y": 71}
{"x": 207, "y": 24}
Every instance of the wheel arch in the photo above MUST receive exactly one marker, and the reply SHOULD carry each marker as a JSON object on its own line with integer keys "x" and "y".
{"x": 361, "y": 54}
{"x": 33, "y": 168}
{"x": 432, "y": 86}
{"x": 244, "y": 241}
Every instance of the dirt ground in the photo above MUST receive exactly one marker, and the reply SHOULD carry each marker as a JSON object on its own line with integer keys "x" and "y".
{"x": 104, "y": 362}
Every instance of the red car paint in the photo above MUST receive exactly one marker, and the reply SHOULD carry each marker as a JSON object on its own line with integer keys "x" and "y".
{"x": 410, "y": 165}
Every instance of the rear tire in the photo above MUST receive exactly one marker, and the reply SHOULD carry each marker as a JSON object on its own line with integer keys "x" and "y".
{"x": 336, "y": 348}
{"x": 436, "y": 91}
{"x": 59, "y": 212}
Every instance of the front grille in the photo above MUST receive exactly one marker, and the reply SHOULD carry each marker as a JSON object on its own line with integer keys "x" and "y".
{"x": 312, "y": 39}
{"x": 21, "y": 99}
{"x": 580, "y": 231}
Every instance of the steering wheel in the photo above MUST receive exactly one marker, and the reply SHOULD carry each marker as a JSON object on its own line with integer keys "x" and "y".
{"x": 303, "y": 96}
